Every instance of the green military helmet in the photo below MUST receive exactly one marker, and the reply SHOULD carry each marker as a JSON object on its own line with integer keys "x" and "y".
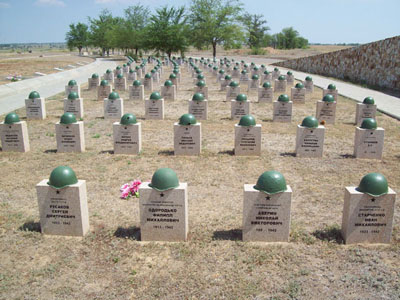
{"x": 95, "y": 76}
{"x": 236, "y": 68}
{"x": 308, "y": 78}
{"x": 164, "y": 179}
{"x": 215, "y": 68}
{"x": 228, "y": 77}
{"x": 155, "y": 96}
{"x": 137, "y": 67}
{"x": 198, "y": 71}
{"x": 118, "y": 68}
{"x": 153, "y": 71}
{"x": 201, "y": 83}
{"x": 271, "y": 182}
{"x": 299, "y": 85}
{"x": 283, "y": 98}
{"x": 244, "y": 72}
{"x": 73, "y": 96}
{"x": 266, "y": 72}
{"x": 369, "y": 123}
{"x": 128, "y": 119}
{"x": 136, "y": 83}
{"x": 369, "y": 100}
{"x": 131, "y": 71}
{"x": 328, "y": 98}
{"x": 247, "y": 120}
{"x": 373, "y": 184}
{"x": 172, "y": 76}
{"x": 175, "y": 71}
{"x": 222, "y": 71}
{"x": 245, "y": 65}
{"x": 255, "y": 68}
{"x": 281, "y": 78}
{"x": 209, "y": 65}
{"x": 11, "y": 118}
{"x": 198, "y": 97}
{"x": 124, "y": 65}
{"x": 108, "y": 71}
{"x": 168, "y": 83}
{"x": 128, "y": 63}
{"x": 113, "y": 96}
{"x": 310, "y": 122}
{"x": 241, "y": 97}
{"x": 276, "y": 69}
{"x": 200, "y": 77}
{"x": 331, "y": 87}
{"x": 252, "y": 63}
{"x": 187, "y": 119}
{"x": 61, "y": 177}
{"x": 148, "y": 76}
{"x": 120, "y": 76}
{"x": 104, "y": 82}
{"x": 289, "y": 73}
{"x": 267, "y": 85}
{"x": 233, "y": 83}
{"x": 262, "y": 66}
{"x": 34, "y": 95}
{"x": 254, "y": 77}
{"x": 68, "y": 118}
{"x": 72, "y": 82}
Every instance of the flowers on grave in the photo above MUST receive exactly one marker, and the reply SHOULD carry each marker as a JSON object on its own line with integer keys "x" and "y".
{"x": 130, "y": 189}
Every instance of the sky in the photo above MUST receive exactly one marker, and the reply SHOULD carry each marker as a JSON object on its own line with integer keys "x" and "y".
{"x": 320, "y": 21}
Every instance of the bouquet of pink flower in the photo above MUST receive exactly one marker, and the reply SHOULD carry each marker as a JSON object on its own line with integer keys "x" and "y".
{"x": 130, "y": 189}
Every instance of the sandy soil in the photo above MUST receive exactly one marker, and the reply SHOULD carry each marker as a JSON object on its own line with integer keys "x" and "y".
{"x": 112, "y": 263}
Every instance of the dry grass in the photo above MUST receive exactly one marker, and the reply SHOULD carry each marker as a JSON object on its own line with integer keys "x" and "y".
{"x": 27, "y": 65}
{"x": 111, "y": 263}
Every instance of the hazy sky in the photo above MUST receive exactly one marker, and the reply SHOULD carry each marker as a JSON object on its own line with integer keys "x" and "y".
{"x": 320, "y": 21}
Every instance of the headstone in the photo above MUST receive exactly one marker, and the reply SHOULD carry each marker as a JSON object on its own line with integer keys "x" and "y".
{"x": 244, "y": 78}
{"x": 109, "y": 76}
{"x": 365, "y": 110}
{"x": 156, "y": 77}
{"x": 148, "y": 83}
{"x": 247, "y": 137}
{"x": 290, "y": 78}
{"x": 139, "y": 72}
{"x": 368, "y": 141}
{"x": 310, "y": 138}
{"x": 93, "y": 82}
{"x": 331, "y": 90}
{"x": 254, "y": 83}
{"x": 280, "y": 84}
{"x": 309, "y": 84}
{"x": 72, "y": 87}
{"x": 283, "y": 109}
{"x": 276, "y": 73}
{"x": 132, "y": 75}
{"x": 35, "y": 107}
{"x": 326, "y": 110}
{"x": 236, "y": 73}
{"x": 63, "y": 211}
{"x": 265, "y": 93}
{"x": 69, "y": 134}
{"x": 136, "y": 91}
{"x": 368, "y": 211}
{"x": 298, "y": 94}
{"x": 127, "y": 135}
{"x": 225, "y": 82}
{"x": 104, "y": 90}
{"x": 232, "y": 90}
{"x": 120, "y": 83}
{"x": 154, "y": 107}
{"x": 187, "y": 136}
{"x": 163, "y": 210}
{"x": 240, "y": 107}
{"x": 14, "y": 134}
{"x": 266, "y": 217}
{"x": 168, "y": 92}
{"x": 202, "y": 90}
{"x": 198, "y": 106}
{"x": 267, "y": 76}
{"x": 118, "y": 71}
{"x": 74, "y": 104}
{"x": 113, "y": 106}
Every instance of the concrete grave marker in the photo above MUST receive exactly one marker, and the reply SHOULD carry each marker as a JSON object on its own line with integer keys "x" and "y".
{"x": 240, "y": 107}
{"x": 265, "y": 93}
{"x": 148, "y": 83}
{"x": 174, "y": 80}
{"x": 113, "y": 106}
{"x": 109, "y": 76}
{"x": 132, "y": 75}
{"x": 163, "y": 207}
{"x": 136, "y": 91}
{"x": 368, "y": 211}
{"x": 63, "y": 204}
{"x": 232, "y": 90}
{"x": 309, "y": 84}
{"x": 104, "y": 90}
{"x": 118, "y": 71}
{"x": 72, "y": 87}
{"x": 201, "y": 88}
{"x": 187, "y": 136}
{"x": 94, "y": 81}
{"x": 254, "y": 83}
{"x": 247, "y": 137}
{"x": 368, "y": 140}
{"x": 280, "y": 84}
{"x": 69, "y": 134}
{"x": 276, "y": 73}
{"x": 139, "y": 72}
{"x": 298, "y": 93}
{"x": 365, "y": 110}
{"x": 331, "y": 90}
{"x": 168, "y": 91}
{"x": 310, "y": 138}
{"x": 74, "y": 104}
{"x": 244, "y": 77}
{"x": 267, "y": 76}
{"x": 154, "y": 107}
{"x": 236, "y": 72}
{"x": 127, "y": 135}
{"x": 266, "y": 209}
{"x": 14, "y": 134}
{"x": 155, "y": 75}
{"x": 326, "y": 110}
{"x": 225, "y": 82}
{"x": 289, "y": 78}
{"x": 198, "y": 106}
{"x": 120, "y": 83}
{"x": 35, "y": 107}
{"x": 283, "y": 109}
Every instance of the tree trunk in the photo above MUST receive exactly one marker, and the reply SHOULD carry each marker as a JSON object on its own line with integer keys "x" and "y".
{"x": 80, "y": 51}
{"x": 214, "y": 44}
{"x": 169, "y": 55}
{"x": 104, "y": 52}
{"x": 136, "y": 51}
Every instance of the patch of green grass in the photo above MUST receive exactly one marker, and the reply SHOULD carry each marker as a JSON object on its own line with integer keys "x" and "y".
{"x": 293, "y": 289}
{"x": 96, "y": 136}
{"x": 51, "y": 134}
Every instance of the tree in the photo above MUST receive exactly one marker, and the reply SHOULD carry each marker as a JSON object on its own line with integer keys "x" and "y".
{"x": 98, "y": 30}
{"x": 255, "y": 29}
{"x": 136, "y": 18}
{"x": 289, "y": 39}
{"x": 214, "y": 22}
{"x": 168, "y": 31}
{"x": 77, "y": 36}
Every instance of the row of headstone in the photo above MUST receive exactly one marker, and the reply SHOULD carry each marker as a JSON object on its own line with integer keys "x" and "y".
{"x": 163, "y": 208}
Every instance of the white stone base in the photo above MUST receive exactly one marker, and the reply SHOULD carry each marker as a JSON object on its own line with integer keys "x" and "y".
{"x": 113, "y": 109}
{"x": 280, "y": 86}
{"x": 326, "y": 111}
{"x": 168, "y": 92}
{"x": 127, "y": 138}
{"x": 154, "y": 109}
{"x": 334, "y": 93}
{"x": 120, "y": 84}
{"x": 73, "y": 88}
{"x": 253, "y": 85}
{"x": 14, "y": 137}
{"x": 132, "y": 76}
{"x": 103, "y": 92}
{"x": 368, "y": 143}
{"x": 199, "y": 109}
{"x": 187, "y": 139}
{"x": 232, "y": 92}
{"x": 290, "y": 80}
{"x": 265, "y": 95}
{"x": 148, "y": 84}
{"x": 309, "y": 85}
{"x": 298, "y": 95}
{"x": 248, "y": 140}
{"x": 364, "y": 111}
{"x": 70, "y": 137}
{"x": 239, "y": 109}
{"x": 136, "y": 92}
{"x": 74, "y": 106}
{"x": 203, "y": 90}
{"x": 310, "y": 141}
{"x": 35, "y": 109}
{"x": 93, "y": 83}
{"x": 282, "y": 111}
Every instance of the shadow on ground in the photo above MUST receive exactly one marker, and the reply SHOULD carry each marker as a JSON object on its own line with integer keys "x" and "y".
{"x": 329, "y": 234}
{"x": 228, "y": 235}
{"x": 132, "y": 233}
{"x": 31, "y": 226}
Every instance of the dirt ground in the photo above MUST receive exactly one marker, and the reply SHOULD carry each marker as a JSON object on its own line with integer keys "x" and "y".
{"x": 112, "y": 263}
{"x": 27, "y": 64}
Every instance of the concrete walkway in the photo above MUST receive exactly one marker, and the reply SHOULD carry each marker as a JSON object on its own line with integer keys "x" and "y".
{"x": 387, "y": 104}
{"x": 13, "y": 95}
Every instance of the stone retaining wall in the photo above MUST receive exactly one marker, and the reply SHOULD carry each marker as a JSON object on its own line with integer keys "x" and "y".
{"x": 376, "y": 64}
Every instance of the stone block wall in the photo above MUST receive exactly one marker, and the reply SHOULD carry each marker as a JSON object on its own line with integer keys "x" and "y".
{"x": 376, "y": 64}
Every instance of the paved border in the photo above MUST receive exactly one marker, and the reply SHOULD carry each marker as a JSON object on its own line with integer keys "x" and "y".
{"x": 13, "y": 95}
